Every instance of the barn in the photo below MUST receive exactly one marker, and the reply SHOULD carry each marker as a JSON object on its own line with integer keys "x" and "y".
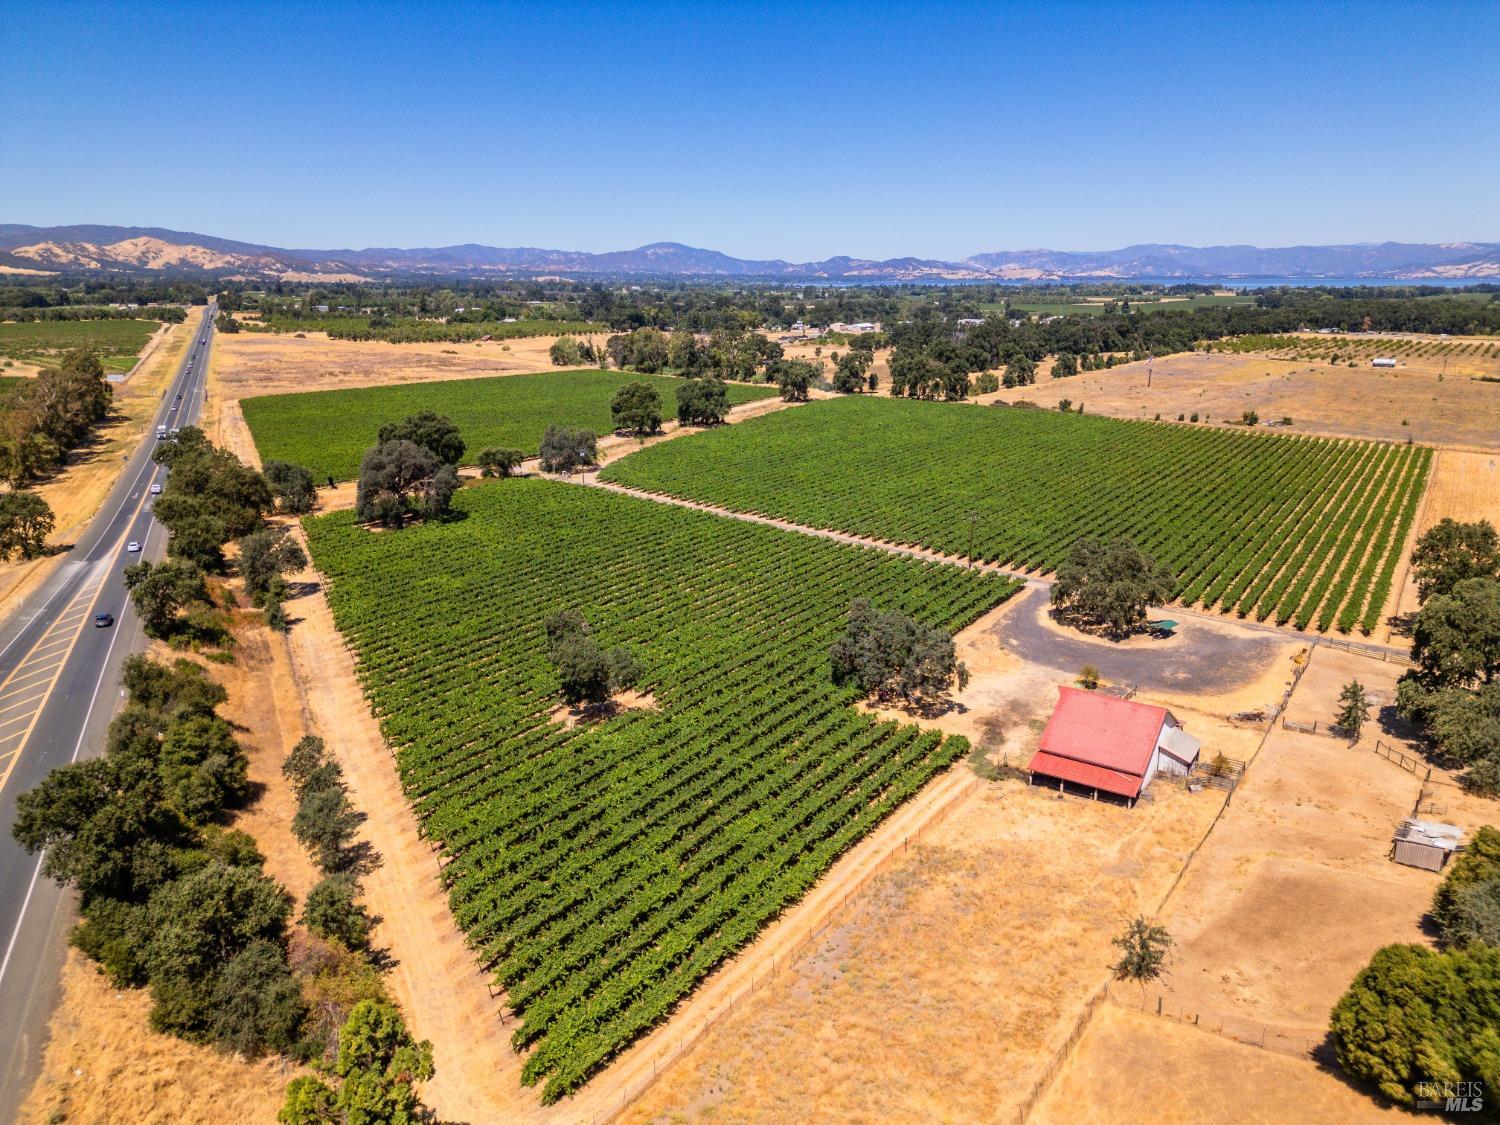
{"x": 1100, "y": 744}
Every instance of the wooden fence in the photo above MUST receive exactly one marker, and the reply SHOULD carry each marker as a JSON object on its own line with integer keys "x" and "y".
{"x": 1374, "y": 652}
{"x": 1405, "y": 761}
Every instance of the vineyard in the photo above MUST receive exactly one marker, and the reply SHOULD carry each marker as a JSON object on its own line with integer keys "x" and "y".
{"x": 1298, "y": 530}
{"x": 328, "y": 431}
{"x": 602, "y": 871}
{"x": 1357, "y": 350}
{"x": 415, "y": 330}
{"x": 118, "y": 342}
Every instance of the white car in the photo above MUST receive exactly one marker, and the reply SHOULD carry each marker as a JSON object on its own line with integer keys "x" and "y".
{"x": 156, "y": 490}
{"x": 132, "y": 546}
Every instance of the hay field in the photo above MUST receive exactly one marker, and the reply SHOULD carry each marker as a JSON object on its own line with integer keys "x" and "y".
{"x": 1320, "y": 398}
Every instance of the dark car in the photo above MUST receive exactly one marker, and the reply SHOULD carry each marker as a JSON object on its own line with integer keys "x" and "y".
{"x": 103, "y": 620}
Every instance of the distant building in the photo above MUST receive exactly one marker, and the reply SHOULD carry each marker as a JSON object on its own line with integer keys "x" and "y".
{"x": 1382, "y": 361}
{"x": 320, "y": 308}
{"x": 859, "y": 328}
{"x": 1103, "y": 744}
{"x": 970, "y": 322}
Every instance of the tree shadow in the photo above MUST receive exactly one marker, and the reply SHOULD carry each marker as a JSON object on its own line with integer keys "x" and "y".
{"x": 1391, "y": 722}
{"x": 360, "y": 858}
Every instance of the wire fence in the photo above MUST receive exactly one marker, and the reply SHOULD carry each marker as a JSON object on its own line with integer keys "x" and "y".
{"x": 1299, "y": 1042}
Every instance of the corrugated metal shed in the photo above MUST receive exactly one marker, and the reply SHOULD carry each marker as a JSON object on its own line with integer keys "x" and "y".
{"x": 1425, "y": 843}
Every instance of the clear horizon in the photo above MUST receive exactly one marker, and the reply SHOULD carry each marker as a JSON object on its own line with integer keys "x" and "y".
{"x": 761, "y": 131}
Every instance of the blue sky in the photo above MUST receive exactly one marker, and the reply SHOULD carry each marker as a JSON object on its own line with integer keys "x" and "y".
{"x": 795, "y": 131}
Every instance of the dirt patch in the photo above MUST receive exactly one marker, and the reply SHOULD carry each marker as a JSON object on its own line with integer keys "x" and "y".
{"x": 1319, "y": 398}
{"x": 104, "y": 1064}
{"x": 572, "y": 716}
{"x": 1293, "y": 892}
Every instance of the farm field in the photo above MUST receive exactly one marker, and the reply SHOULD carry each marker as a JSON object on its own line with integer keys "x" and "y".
{"x": 407, "y": 329}
{"x": 42, "y": 341}
{"x": 1462, "y": 353}
{"x": 1094, "y": 306}
{"x": 603, "y": 871}
{"x": 1306, "y": 531}
{"x": 1409, "y": 402}
{"x": 328, "y": 431}
{"x": 244, "y": 364}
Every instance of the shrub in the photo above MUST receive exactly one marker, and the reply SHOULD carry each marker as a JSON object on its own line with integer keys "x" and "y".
{"x": 1143, "y": 951}
{"x": 333, "y": 911}
{"x": 1414, "y": 1016}
{"x": 499, "y": 462}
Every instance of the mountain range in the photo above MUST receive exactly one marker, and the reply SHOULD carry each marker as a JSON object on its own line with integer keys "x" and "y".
{"x": 30, "y": 251}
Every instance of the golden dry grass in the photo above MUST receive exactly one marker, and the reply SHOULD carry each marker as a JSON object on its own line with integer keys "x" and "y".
{"x": 246, "y": 364}
{"x": 952, "y": 977}
{"x": 1130, "y": 1067}
{"x": 1319, "y": 398}
{"x": 103, "y": 1064}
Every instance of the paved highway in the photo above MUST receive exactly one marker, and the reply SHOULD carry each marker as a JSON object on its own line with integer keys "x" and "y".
{"x": 59, "y": 689}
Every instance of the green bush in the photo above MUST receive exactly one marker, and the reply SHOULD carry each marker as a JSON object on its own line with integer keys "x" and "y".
{"x": 1414, "y": 1016}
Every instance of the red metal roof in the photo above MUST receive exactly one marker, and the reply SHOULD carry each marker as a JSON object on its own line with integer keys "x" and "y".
{"x": 1101, "y": 730}
{"x": 1081, "y": 773}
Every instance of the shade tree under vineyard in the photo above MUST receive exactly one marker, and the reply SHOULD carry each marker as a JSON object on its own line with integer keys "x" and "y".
{"x": 601, "y": 871}
{"x": 1299, "y": 530}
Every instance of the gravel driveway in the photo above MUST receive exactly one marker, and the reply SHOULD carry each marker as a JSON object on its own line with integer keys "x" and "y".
{"x": 1200, "y": 660}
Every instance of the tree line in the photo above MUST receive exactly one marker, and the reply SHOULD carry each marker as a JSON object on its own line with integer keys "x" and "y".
{"x": 50, "y": 415}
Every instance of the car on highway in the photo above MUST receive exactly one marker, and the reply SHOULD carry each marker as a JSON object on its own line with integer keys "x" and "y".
{"x": 103, "y": 620}
{"x": 132, "y": 546}
{"x": 156, "y": 490}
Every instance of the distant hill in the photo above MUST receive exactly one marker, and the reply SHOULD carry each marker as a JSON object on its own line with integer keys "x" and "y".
{"x": 25, "y": 250}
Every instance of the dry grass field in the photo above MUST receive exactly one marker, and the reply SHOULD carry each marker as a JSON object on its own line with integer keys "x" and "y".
{"x": 246, "y": 364}
{"x": 1361, "y": 402}
{"x": 1462, "y": 485}
{"x": 103, "y": 1065}
{"x": 1288, "y": 898}
{"x": 950, "y": 979}
{"x": 1130, "y": 1067}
